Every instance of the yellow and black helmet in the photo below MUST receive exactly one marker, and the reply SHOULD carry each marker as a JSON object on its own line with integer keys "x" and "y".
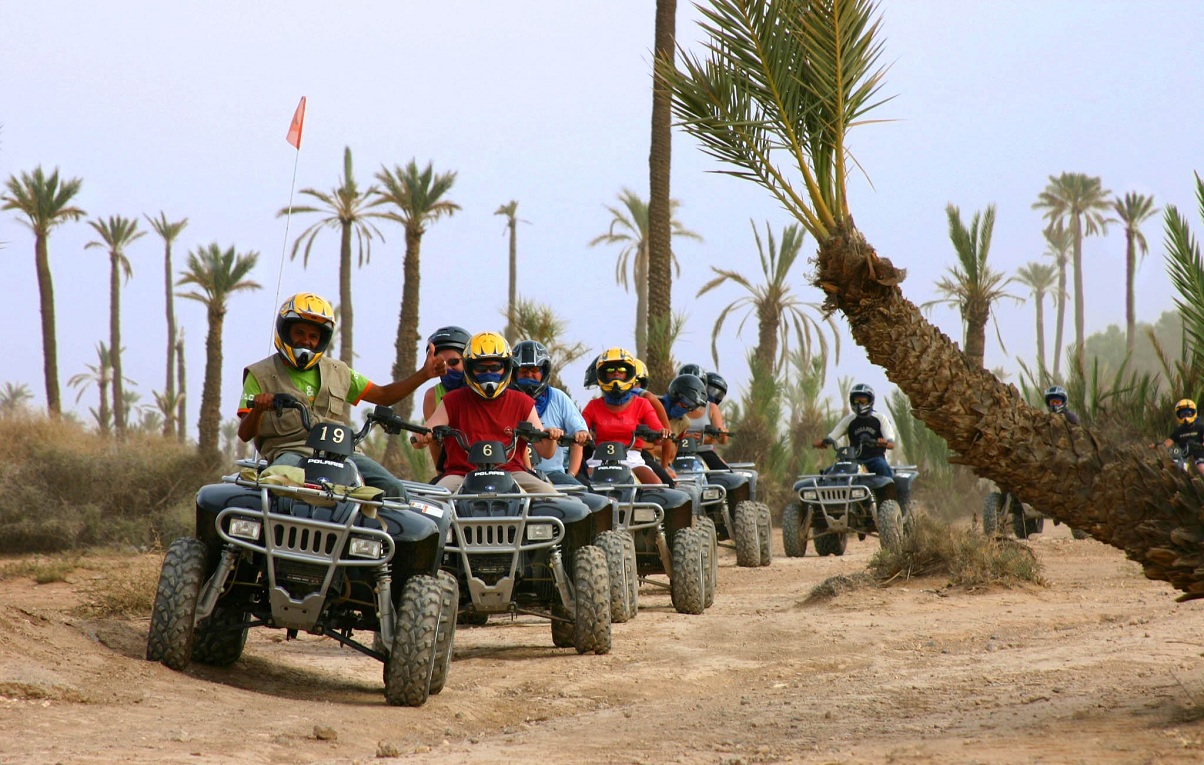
{"x": 307, "y": 307}
{"x": 1185, "y": 411}
{"x": 616, "y": 370}
{"x": 488, "y": 364}
{"x": 641, "y": 374}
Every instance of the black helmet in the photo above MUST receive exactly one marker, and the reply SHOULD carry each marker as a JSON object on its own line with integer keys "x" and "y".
{"x": 688, "y": 391}
{"x": 861, "y": 390}
{"x": 591, "y": 373}
{"x": 692, "y": 369}
{"x": 1058, "y": 392}
{"x": 716, "y": 388}
{"x": 455, "y": 338}
{"x": 532, "y": 353}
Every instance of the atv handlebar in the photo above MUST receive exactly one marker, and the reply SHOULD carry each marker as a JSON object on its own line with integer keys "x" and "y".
{"x": 385, "y": 417}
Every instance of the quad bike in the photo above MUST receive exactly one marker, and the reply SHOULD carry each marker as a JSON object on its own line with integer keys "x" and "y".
{"x": 516, "y": 552}
{"x": 679, "y": 544}
{"x": 845, "y": 499}
{"x": 1001, "y": 509}
{"x": 728, "y": 501}
{"x": 312, "y": 549}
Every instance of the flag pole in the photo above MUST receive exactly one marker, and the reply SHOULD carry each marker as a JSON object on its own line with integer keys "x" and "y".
{"x": 293, "y": 137}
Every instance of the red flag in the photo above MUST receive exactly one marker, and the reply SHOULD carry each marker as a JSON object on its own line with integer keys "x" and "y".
{"x": 294, "y": 130}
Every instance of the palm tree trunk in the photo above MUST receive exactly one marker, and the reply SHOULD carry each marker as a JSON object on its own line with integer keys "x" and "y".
{"x": 407, "y": 322}
{"x": 182, "y": 401}
{"x": 169, "y": 388}
{"x": 115, "y": 346}
{"x": 211, "y": 394}
{"x": 641, "y": 305}
{"x": 660, "y": 276}
{"x": 1041, "y": 338}
{"x": 1130, "y": 299}
{"x": 1080, "y": 354}
{"x": 976, "y": 337}
{"x": 1123, "y": 495}
{"x": 769, "y": 325}
{"x": 512, "y": 297}
{"x": 50, "y": 362}
{"x": 346, "y": 351}
{"x": 1061, "y": 298}
{"x": 102, "y": 411}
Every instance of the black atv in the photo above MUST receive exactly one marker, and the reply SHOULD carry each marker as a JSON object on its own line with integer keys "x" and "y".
{"x": 1002, "y": 510}
{"x": 311, "y": 549}
{"x": 728, "y": 501}
{"x": 515, "y": 552}
{"x": 845, "y": 499}
{"x": 680, "y": 544}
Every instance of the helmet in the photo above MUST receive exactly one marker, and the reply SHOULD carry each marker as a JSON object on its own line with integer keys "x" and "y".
{"x": 615, "y": 357}
{"x": 455, "y": 338}
{"x": 716, "y": 388}
{"x": 304, "y": 306}
{"x": 641, "y": 374}
{"x": 1056, "y": 392}
{"x": 688, "y": 391}
{"x": 591, "y": 373}
{"x": 532, "y": 353}
{"x": 692, "y": 369}
{"x": 857, "y": 391}
{"x": 1185, "y": 411}
{"x": 486, "y": 348}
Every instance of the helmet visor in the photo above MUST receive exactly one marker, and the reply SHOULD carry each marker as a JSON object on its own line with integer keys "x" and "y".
{"x": 1186, "y": 413}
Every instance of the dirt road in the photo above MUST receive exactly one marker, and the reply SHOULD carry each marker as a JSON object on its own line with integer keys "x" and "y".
{"x": 1100, "y": 667}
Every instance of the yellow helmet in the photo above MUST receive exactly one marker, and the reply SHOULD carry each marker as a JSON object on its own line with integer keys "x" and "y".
{"x": 308, "y": 307}
{"x": 613, "y": 359}
{"x": 641, "y": 374}
{"x": 488, "y": 364}
{"x": 1185, "y": 411}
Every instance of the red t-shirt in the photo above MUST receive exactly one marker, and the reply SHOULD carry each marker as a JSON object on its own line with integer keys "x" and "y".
{"x": 619, "y": 426}
{"x": 482, "y": 419}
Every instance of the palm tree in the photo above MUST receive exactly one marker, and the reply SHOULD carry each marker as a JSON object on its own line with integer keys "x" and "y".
{"x": 46, "y": 202}
{"x": 116, "y": 234}
{"x": 510, "y": 210}
{"x": 1058, "y": 245}
{"x": 973, "y": 286}
{"x": 418, "y": 196}
{"x": 182, "y": 396}
{"x": 169, "y": 231}
{"x": 216, "y": 274}
{"x": 101, "y": 376}
{"x": 629, "y": 228}
{"x": 660, "y": 206}
{"x": 1040, "y": 278}
{"x": 13, "y": 397}
{"x": 776, "y": 308}
{"x": 1080, "y": 202}
{"x": 1131, "y": 211}
{"x": 345, "y": 208}
{"x": 781, "y": 84}
{"x": 536, "y": 321}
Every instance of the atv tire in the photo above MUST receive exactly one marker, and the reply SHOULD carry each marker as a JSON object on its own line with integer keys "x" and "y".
{"x": 832, "y": 544}
{"x": 688, "y": 585}
{"x": 710, "y": 538}
{"x": 591, "y": 585}
{"x": 748, "y": 546}
{"x": 216, "y": 643}
{"x": 1079, "y": 534}
{"x": 794, "y": 536}
{"x": 447, "y": 630}
{"x": 1026, "y": 527}
{"x": 890, "y": 526}
{"x": 411, "y": 664}
{"x": 993, "y": 519}
{"x": 764, "y": 533}
{"x": 171, "y": 636}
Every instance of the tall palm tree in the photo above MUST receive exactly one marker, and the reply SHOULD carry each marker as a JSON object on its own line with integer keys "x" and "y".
{"x": 417, "y": 200}
{"x": 116, "y": 234}
{"x": 629, "y": 228}
{"x": 776, "y": 308}
{"x": 775, "y": 95}
{"x": 101, "y": 376}
{"x": 510, "y": 210}
{"x": 169, "y": 231}
{"x": 182, "y": 396}
{"x": 46, "y": 202}
{"x": 660, "y": 209}
{"x": 1081, "y": 203}
{"x": 1041, "y": 279}
{"x": 1131, "y": 211}
{"x": 347, "y": 209}
{"x": 1058, "y": 245}
{"x": 972, "y": 286}
{"x": 536, "y": 321}
{"x": 216, "y": 274}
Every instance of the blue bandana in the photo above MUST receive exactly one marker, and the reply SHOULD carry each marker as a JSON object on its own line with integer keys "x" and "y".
{"x": 453, "y": 379}
{"x": 618, "y": 399}
{"x": 542, "y": 401}
{"x": 488, "y": 377}
{"x": 675, "y": 411}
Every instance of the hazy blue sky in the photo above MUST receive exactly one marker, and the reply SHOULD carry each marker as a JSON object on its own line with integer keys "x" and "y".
{"x": 183, "y": 107}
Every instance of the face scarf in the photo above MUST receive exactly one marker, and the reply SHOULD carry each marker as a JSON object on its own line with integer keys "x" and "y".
{"x": 617, "y": 399}
{"x": 453, "y": 379}
{"x": 675, "y": 411}
{"x": 528, "y": 386}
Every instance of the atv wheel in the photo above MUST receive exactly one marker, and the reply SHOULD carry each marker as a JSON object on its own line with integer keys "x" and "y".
{"x": 447, "y": 630}
{"x": 611, "y": 545}
{"x": 794, "y": 536}
{"x": 411, "y": 664}
{"x": 1026, "y": 527}
{"x": 832, "y": 544}
{"x": 764, "y": 534}
{"x": 1078, "y": 534}
{"x": 748, "y": 547}
{"x": 633, "y": 578}
{"x": 591, "y": 583}
{"x": 993, "y": 519}
{"x": 890, "y": 526}
{"x": 171, "y": 635}
{"x": 710, "y": 538}
{"x": 216, "y": 643}
{"x": 688, "y": 585}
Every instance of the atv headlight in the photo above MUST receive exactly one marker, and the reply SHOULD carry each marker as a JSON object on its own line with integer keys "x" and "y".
{"x": 859, "y": 492}
{"x": 245, "y": 528}
{"x": 711, "y": 494}
{"x": 810, "y": 495}
{"x": 362, "y": 547}
{"x": 643, "y": 515}
{"x": 539, "y": 532}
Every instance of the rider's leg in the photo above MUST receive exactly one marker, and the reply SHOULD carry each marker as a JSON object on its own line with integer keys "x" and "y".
{"x": 376, "y": 476}
{"x": 878, "y": 466}
{"x": 532, "y": 483}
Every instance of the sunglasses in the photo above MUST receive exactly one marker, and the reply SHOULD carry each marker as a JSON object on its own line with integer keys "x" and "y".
{"x": 453, "y": 362}
{"x": 489, "y": 366}
{"x": 610, "y": 371}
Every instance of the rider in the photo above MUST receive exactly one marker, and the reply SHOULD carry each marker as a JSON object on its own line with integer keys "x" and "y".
{"x": 687, "y": 394}
{"x": 555, "y": 409}
{"x": 304, "y": 328}
{"x": 449, "y": 343}
{"x": 615, "y": 415}
{"x": 1055, "y": 401}
{"x": 716, "y": 390}
{"x": 863, "y": 423}
{"x": 1189, "y": 435}
{"x": 488, "y": 409}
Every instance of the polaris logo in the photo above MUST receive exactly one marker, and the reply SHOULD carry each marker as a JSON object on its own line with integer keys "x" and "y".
{"x": 490, "y": 472}
{"x": 319, "y": 461}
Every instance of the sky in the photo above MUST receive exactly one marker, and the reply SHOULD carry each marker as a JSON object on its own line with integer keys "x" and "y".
{"x": 183, "y": 108}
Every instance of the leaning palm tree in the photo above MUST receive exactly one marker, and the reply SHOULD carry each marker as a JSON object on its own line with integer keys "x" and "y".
{"x": 1080, "y": 202}
{"x": 101, "y": 376}
{"x": 775, "y": 96}
{"x": 972, "y": 286}
{"x": 660, "y": 204}
{"x": 46, "y": 202}
{"x": 417, "y": 199}
{"x": 629, "y": 228}
{"x": 216, "y": 274}
{"x": 347, "y": 209}
{"x": 510, "y": 210}
{"x": 116, "y": 234}
{"x": 1131, "y": 211}
{"x": 1041, "y": 279}
{"x": 168, "y": 231}
{"x": 776, "y": 308}
{"x": 1058, "y": 245}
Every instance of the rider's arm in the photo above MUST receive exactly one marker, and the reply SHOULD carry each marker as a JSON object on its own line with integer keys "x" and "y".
{"x": 390, "y": 394}
{"x": 888, "y": 433}
{"x": 438, "y": 417}
{"x": 546, "y": 447}
{"x": 838, "y": 432}
{"x": 575, "y": 455}
{"x": 254, "y": 403}
{"x": 659, "y": 408}
{"x": 717, "y": 419}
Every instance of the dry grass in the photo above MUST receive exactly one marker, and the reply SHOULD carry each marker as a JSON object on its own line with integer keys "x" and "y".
{"x": 124, "y": 589}
{"x": 41, "y": 569}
